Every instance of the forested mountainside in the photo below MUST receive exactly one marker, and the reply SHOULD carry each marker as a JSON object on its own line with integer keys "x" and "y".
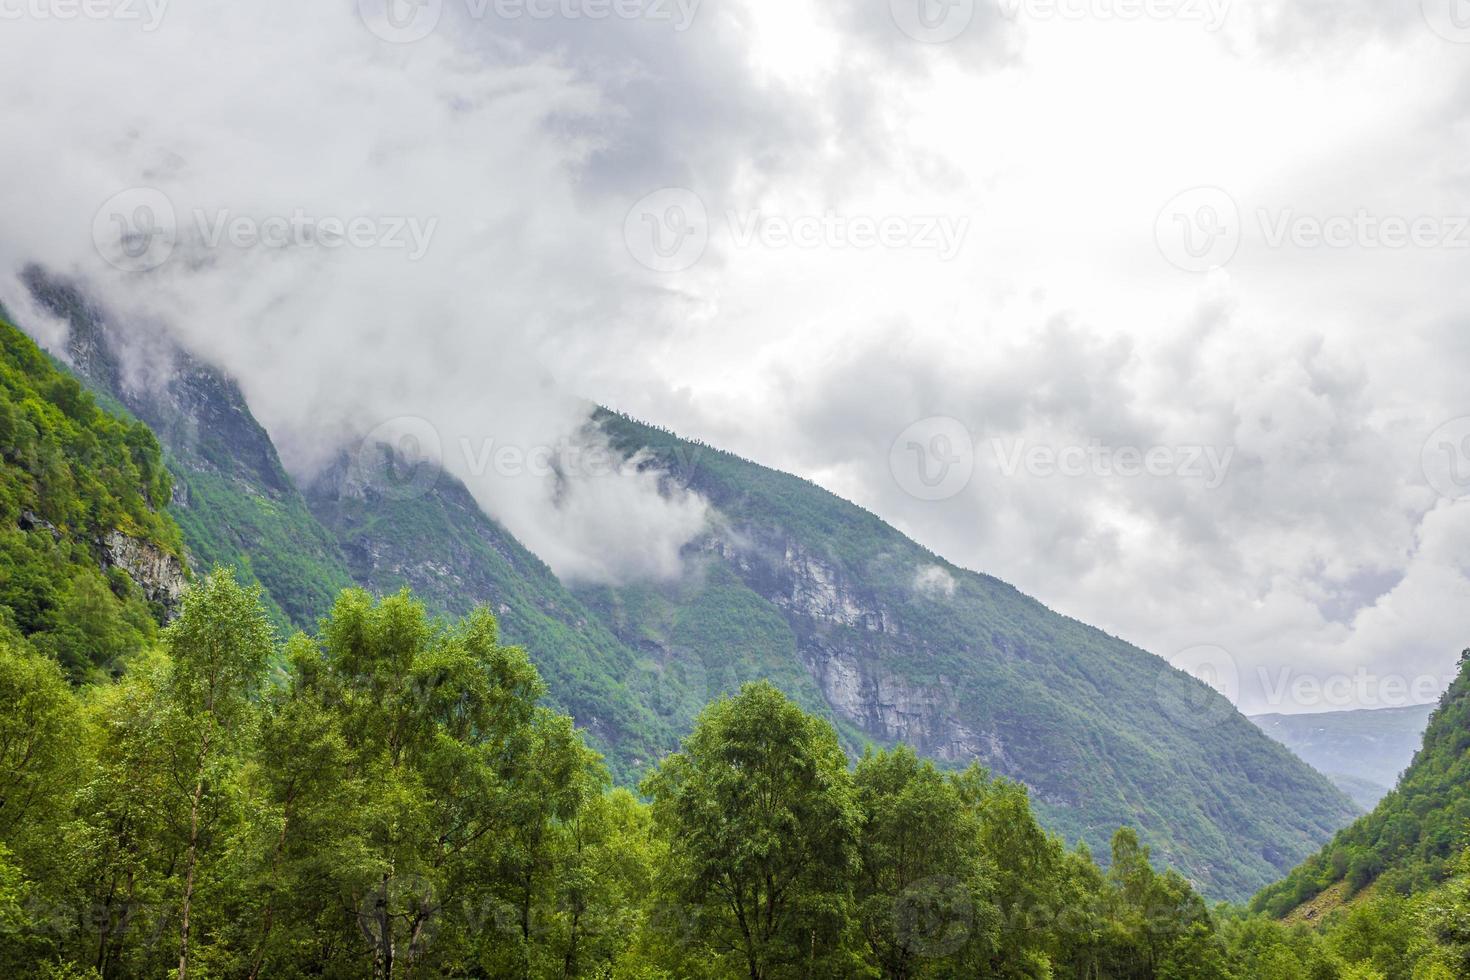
{"x": 237, "y": 505}
{"x": 89, "y": 563}
{"x": 1362, "y": 751}
{"x": 232, "y": 497}
{"x": 900, "y": 645}
{"x": 442, "y": 546}
{"x": 792, "y": 584}
{"x": 1412, "y": 840}
{"x": 386, "y": 796}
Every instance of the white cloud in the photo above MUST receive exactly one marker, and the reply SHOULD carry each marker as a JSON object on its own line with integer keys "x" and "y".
{"x": 1059, "y": 322}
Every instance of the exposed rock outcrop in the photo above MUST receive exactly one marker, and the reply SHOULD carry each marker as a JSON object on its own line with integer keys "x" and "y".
{"x": 159, "y": 574}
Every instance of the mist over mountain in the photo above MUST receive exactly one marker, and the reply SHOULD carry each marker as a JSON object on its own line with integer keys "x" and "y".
{"x": 784, "y": 582}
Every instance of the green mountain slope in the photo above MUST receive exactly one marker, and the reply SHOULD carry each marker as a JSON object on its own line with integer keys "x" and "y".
{"x": 437, "y": 542}
{"x": 89, "y": 564}
{"x": 232, "y": 498}
{"x": 791, "y": 583}
{"x": 1412, "y": 838}
{"x": 1361, "y": 751}
{"x": 896, "y": 644}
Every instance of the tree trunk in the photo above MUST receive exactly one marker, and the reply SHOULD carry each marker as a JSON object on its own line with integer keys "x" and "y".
{"x": 191, "y": 860}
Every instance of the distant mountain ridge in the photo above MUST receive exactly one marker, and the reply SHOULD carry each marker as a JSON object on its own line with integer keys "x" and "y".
{"x": 789, "y": 583}
{"x": 1363, "y": 751}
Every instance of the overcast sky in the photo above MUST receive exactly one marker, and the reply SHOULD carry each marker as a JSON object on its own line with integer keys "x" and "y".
{"x": 1153, "y": 308}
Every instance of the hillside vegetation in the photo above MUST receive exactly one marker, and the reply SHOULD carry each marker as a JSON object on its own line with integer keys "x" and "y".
{"x": 1412, "y": 839}
{"x": 848, "y": 617}
{"x": 895, "y": 644}
{"x": 72, "y": 476}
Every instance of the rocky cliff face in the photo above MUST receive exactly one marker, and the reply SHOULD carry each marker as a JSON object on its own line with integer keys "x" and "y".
{"x": 830, "y": 607}
{"x": 159, "y": 574}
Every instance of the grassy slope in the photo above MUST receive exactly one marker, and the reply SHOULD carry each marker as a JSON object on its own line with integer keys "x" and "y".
{"x": 1077, "y": 713}
{"x": 1411, "y": 839}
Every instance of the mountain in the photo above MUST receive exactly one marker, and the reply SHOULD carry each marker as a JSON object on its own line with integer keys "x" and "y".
{"x": 790, "y": 583}
{"x": 90, "y": 565}
{"x": 1362, "y": 751}
{"x": 231, "y": 495}
{"x": 237, "y": 506}
{"x": 437, "y": 542}
{"x": 897, "y": 644}
{"x": 1412, "y": 838}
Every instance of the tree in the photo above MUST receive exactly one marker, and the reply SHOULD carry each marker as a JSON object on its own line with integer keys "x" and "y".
{"x": 922, "y": 894}
{"x": 760, "y": 821}
{"x": 218, "y": 647}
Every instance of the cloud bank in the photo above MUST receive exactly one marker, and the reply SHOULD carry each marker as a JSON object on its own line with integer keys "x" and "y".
{"x": 381, "y": 223}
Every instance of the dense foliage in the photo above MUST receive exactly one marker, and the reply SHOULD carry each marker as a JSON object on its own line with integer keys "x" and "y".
{"x": 70, "y": 475}
{"x": 794, "y": 578}
{"x": 1411, "y": 841}
{"x": 234, "y": 500}
{"x": 398, "y": 804}
{"x": 995, "y": 675}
